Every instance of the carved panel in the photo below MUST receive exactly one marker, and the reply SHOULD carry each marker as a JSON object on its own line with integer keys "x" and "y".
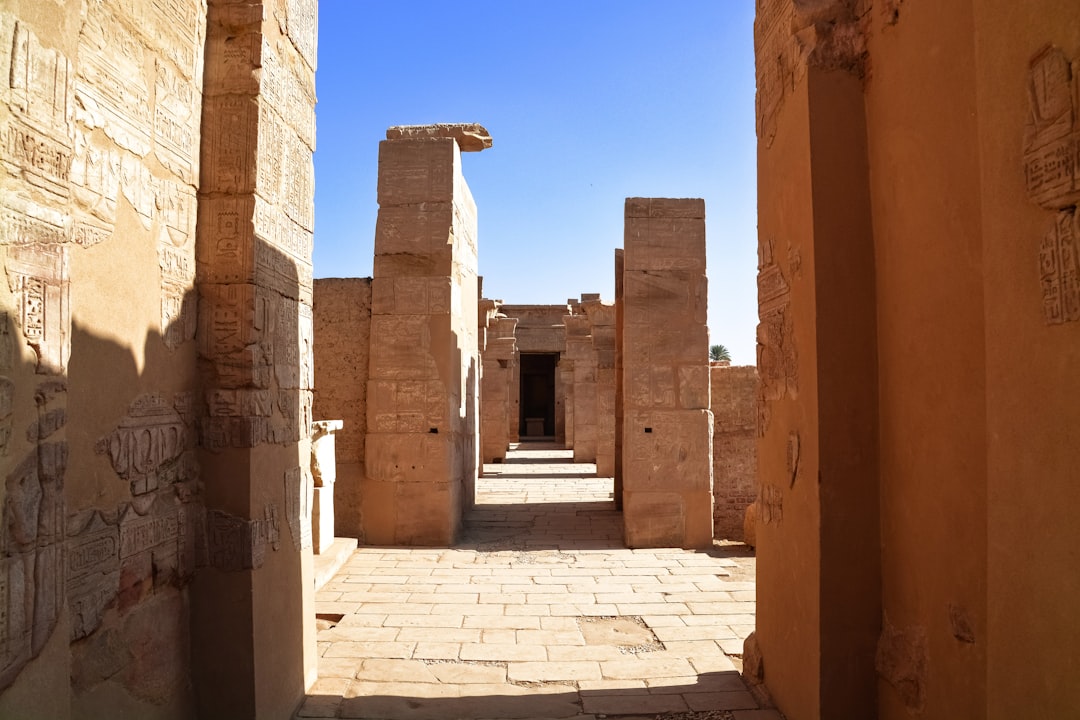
{"x": 238, "y": 544}
{"x": 95, "y": 178}
{"x": 147, "y": 445}
{"x": 179, "y": 30}
{"x": 302, "y": 24}
{"x": 1052, "y": 132}
{"x": 93, "y": 571}
{"x": 1059, "y": 270}
{"x": 38, "y": 277}
{"x": 178, "y": 298}
{"x": 777, "y": 354}
{"x": 23, "y": 222}
{"x": 36, "y": 82}
{"x": 112, "y": 86}
{"x": 299, "y": 499}
{"x": 36, "y": 158}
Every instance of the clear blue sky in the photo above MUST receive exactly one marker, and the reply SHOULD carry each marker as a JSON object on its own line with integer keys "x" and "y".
{"x": 588, "y": 101}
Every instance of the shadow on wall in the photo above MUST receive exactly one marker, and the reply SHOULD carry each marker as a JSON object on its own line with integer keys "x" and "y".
{"x": 105, "y": 525}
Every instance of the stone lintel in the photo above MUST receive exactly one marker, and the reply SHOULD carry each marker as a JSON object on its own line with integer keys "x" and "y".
{"x": 471, "y": 137}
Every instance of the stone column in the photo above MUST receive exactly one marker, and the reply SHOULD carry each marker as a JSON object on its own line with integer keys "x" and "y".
{"x": 602, "y": 319}
{"x": 422, "y": 430}
{"x": 580, "y": 351}
{"x": 254, "y": 242}
{"x": 819, "y": 580}
{"x": 619, "y": 378}
{"x": 667, "y": 441}
{"x": 498, "y": 372}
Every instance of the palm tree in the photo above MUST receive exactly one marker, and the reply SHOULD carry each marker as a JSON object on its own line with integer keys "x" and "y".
{"x": 719, "y": 353}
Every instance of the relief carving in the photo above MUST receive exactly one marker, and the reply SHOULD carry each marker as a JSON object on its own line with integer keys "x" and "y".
{"x": 1052, "y": 178}
{"x": 176, "y": 117}
{"x": 93, "y": 571}
{"x": 95, "y": 179}
{"x": 36, "y": 158}
{"x": 36, "y": 82}
{"x": 770, "y": 505}
{"x": 1052, "y": 132}
{"x": 111, "y": 86}
{"x": 299, "y": 499}
{"x": 1059, "y": 269}
{"x": 149, "y": 445}
{"x": 238, "y": 544}
{"x": 31, "y": 556}
{"x": 178, "y": 298}
{"x": 777, "y": 355}
{"x": 38, "y": 277}
{"x": 792, "y": 35}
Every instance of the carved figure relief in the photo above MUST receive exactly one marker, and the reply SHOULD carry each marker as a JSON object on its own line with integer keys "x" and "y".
{"x": 238, "y": 544}
{"x": 147, "y": 445}
{"x": 178, "y": 298}
{"x": 1052, "y": 178}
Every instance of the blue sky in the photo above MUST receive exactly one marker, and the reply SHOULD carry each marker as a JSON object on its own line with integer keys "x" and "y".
{"x": 589, "y": 102}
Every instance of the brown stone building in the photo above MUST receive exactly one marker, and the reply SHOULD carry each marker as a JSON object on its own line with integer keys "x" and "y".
{"x": 918, "y": 354}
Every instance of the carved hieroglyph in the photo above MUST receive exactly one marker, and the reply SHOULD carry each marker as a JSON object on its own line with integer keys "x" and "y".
{"x": 777, "y": 354}
{"x": 1052, "y": 178}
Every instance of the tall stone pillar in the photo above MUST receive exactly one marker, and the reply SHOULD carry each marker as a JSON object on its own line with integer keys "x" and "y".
{"x": 819, "y": 580}
{"x": 618, "y": 490}
{"x": 422, "y": 426}
{"x": 667, "y": 431}
{"x": 580, "y": 351}
{"x": 252, "y": 638}
{"x": 499, "y": 359}
{"x": 602, "y": 319}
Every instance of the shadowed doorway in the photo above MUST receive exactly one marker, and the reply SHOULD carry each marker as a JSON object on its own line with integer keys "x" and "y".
{"x": 537, "y": 418}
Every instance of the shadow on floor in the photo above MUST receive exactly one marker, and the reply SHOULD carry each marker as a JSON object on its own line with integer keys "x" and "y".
{"x": 712, "y": 692}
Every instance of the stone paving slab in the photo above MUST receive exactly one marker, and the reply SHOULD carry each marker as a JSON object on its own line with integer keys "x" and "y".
{"x": 539, "y": 612}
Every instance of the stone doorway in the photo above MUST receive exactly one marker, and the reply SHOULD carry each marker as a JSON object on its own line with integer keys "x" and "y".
{"x": 537, "y": 407}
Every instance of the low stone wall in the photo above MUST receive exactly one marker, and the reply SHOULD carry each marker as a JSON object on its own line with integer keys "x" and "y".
{"x": 734, "y": 399}
{"x": 342, "y": 320}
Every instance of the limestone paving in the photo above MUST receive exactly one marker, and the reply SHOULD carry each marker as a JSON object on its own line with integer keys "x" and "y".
{"x": 540, "y": 611}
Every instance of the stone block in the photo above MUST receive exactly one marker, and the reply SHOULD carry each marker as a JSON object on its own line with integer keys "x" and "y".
{"x": 413, "y": 171}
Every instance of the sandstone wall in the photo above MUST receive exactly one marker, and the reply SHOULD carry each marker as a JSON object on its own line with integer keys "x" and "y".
{"x": 148, "y": 442}
{"x": 733, "y": 401}
{"x": 342, "y": 320}
{"x": 919, "y": 315}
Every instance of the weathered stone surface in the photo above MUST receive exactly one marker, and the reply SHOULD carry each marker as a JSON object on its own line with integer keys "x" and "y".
{"x": 470, "y": 137}
{"x": 733, "y": 401}
{"x": 666, "y": 424}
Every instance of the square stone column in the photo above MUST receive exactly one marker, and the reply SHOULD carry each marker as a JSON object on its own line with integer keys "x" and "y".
{"x": 602, "y": 319}
{"x": 580, "y": 351}
{"x": 421, "y": 452}
{"x": 667, "y": 431}
{"x": 253, "y": 648}
{"x": 499, "y": 362}
{"x": 619, "y": 254}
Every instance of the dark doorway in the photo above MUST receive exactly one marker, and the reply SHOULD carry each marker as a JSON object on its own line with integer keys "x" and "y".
{"x": 537, "y": 394}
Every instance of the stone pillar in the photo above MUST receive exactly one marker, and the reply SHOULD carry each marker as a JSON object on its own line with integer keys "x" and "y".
{"x": 618, "y": 490}
{"x": 513, "y": 418}
{"x": 324, "y": 475}
{"x": 560, "y": 403}
{"x": 819, "y": 577}
{"x": 498, "y": 372}
{"x": 255, "y": 600}
{"x": 602, "y": 318}
{"x": 667, "y": 441}
{"x": 580, "y": 351}
{"x": 422, "y": 431}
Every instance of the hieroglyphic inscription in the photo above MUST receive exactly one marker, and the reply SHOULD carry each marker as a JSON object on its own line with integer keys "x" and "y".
{"x": 23, "y": 222}
{"x": 299, "y": 498}
{"x": 770, "y": 505}
{"x": 178, "y": 299}
{"x": 112, "y": 82}
{"x": 1052, "y": 132}
{"x": 93, "y": 571}
{"x": 238, "y": 544}
{"x": 36, "y": 158}
{"x": 95, "y": 178}
{"x": 139, "y": 533}
{"x": 147, "y": 445}
{"x": 776, "y": 351}
{"x": 302, "y": 24}
{"x": 1059, "y": 269}
{"x": 38, "y": 277}
{"x": 178, "y": 32}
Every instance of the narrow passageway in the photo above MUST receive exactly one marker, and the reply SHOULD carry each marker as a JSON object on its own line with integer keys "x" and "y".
{"x": 539, "y": 612}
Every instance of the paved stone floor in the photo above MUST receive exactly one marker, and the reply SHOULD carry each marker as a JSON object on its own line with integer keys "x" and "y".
{"x": 540, "y": 612}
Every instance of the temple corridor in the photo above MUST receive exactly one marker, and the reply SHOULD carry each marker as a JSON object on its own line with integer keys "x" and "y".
{"x": 539, "y": 612}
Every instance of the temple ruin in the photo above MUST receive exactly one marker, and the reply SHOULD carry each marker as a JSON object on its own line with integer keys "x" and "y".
{"x": 193, "y": 430}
